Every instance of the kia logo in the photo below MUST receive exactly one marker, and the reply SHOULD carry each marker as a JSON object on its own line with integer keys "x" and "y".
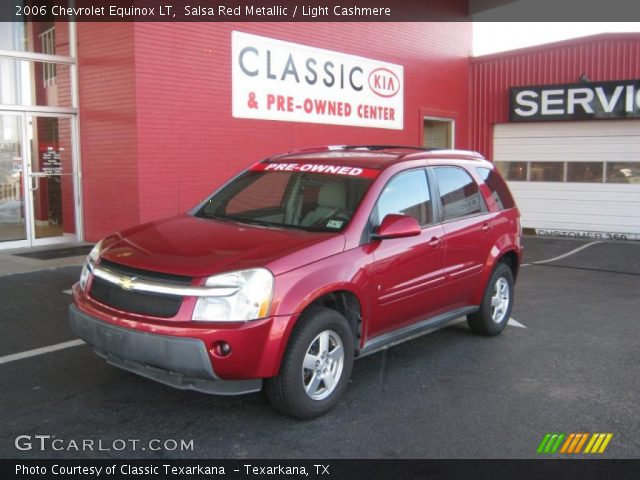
{"x": 384, "y": 83}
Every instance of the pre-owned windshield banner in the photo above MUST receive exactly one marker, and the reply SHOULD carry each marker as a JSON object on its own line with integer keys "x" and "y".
{"x": 317, "y": 168}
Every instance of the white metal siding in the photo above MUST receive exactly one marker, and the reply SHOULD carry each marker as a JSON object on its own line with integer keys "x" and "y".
{"x": 595, "y": 207}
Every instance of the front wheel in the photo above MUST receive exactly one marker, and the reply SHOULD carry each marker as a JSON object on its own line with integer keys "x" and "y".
{"x": 316, "y": 367}
{"x": 495, "y": 309}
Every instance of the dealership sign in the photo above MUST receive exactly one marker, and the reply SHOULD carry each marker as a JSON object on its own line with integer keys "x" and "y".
{"x": 276, "y": 80}
{"x": 576, "y": 101}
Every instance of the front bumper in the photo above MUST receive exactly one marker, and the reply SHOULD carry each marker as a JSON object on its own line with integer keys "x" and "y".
{"x": 179, "y": 362}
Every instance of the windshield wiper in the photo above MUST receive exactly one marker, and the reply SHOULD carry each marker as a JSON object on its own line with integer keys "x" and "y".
{"x": 262, "y": 223}
{"x": 248, "y": 221}
{"x": 253, "y": 221}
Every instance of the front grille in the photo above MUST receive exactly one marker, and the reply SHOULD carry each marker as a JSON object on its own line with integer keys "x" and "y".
{"x": 145, "y": 274}
{"x": 144, "y": 303}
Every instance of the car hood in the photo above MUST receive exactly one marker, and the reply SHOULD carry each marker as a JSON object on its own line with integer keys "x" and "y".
{"x": 198, "y": 247}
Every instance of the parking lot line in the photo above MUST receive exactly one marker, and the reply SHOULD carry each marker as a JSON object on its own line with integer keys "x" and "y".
{"x": 564, "y": 255}
{"x": 514, "y": 323}
{"x": 40, "y": 351}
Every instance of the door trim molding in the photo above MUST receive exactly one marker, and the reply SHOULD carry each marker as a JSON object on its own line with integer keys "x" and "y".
{"x": 413, "y": 331}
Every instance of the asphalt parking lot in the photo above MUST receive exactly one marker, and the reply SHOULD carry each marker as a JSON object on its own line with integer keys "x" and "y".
{"x": 451, "y": 394}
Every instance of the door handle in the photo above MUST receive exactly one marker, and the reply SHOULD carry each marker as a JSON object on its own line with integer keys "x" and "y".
{"x": 434, "y": 242}
{"x": 34, "y": 185}
{"x": 486, "y": 227}
{"x": 36, "y": 176}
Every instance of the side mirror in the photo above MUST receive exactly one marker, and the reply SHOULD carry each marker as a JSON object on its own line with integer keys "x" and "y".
{"x": 397, "y": 226}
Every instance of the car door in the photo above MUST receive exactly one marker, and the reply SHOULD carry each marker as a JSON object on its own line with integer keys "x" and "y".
{"x": 468, "y": 232}
{"x": 408, "y": 272}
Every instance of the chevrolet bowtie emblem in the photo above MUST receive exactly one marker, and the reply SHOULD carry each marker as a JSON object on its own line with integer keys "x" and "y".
{"x": 126, "y": 282}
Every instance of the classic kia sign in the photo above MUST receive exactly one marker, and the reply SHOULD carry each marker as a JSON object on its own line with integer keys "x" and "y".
{"x": 276, "y": 80}
{"x": 576, "y": 101}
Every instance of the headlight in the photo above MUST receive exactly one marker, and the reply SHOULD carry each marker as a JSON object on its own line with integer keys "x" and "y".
{"x": 251, "y": 301}
{"x": 94, "y": 254}
{"x": 92, "y": 258}
{"x": 84, "y": 276}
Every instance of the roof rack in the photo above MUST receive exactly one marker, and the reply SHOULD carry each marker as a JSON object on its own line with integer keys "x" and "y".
{"x": 387, "y": 147}
{"x": 444, "y": 151}
{"x": 333, "y": 148}
{"x": 452, "y": 151}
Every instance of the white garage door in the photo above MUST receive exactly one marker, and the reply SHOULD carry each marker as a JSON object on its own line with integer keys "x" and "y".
{"x": 574, "y": 178}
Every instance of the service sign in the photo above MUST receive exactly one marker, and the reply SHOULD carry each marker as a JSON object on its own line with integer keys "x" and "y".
{"x": 576, "y": 101}
{"x": 276, "y": 80}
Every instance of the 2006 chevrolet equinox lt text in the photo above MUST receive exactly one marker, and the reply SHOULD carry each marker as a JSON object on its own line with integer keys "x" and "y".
{"x": 298, "y": 265}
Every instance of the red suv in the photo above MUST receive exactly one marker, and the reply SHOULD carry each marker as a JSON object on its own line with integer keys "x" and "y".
{"x": 298, "y": 265}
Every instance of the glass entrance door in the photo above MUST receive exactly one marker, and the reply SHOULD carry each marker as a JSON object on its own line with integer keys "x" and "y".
{"x": 13, "y": 215}
{"x": 51, "y": 179}
{"x": 37, "y": 180}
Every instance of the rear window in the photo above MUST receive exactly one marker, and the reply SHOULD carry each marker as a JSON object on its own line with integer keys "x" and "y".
{"x": 459, "y": 193}
{"x": 499, "y": 190}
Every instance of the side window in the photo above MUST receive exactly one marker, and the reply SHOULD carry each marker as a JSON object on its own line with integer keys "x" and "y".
{"x": 408, "y": 194}
{"x": 459, "y": 193}
{"x": 499, "y": 190}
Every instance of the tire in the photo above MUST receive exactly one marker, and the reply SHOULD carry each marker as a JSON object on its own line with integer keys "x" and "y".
{"x": 324, "y": 339}
{"x": 497, "y": 303}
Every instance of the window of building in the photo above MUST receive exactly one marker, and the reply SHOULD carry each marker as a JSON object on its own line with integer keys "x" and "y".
{"x": 28, "y": 37}
{"x": 578, "y": 172}
{"x": 407, "y": 194}
{"x": 498, "y": 188}
{"x": 546, "y": 172}
{"x": 48, "y": 41}
{"x": 438, "y": 133}
{"x": 459, "y": 193}
{"x": 49, "y": 83}
{"x": 586, "y": 172}
{"x": 623, "y": 172}
{"x": 513, "y": 171}
{"x": 37, "y": 68}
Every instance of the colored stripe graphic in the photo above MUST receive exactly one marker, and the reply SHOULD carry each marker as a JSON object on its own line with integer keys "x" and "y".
{"x": 576, "y": 443}
{"x": 581, "y": 442}
{"x": 567, "y": 442}
{"x": 604, "y": 445}
{"x": 550, "y": 443}
{"x": 598, "y": 443}
{"x": 544, "y": 442}
{"x": 556, "y": 445}
{"x": 572, "y": 443}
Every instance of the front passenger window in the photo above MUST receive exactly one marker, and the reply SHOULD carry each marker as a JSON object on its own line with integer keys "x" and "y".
{"x": 408, "y": 194}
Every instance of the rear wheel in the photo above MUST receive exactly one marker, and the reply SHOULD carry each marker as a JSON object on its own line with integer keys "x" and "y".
{"x": 496, "y": 305}
{"x": 316, "y": 367}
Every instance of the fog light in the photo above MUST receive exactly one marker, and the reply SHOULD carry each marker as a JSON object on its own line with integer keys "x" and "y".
{"x": 222, "y": 349}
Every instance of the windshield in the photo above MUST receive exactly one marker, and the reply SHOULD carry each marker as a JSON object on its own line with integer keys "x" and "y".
{"x": 302, "y": 200}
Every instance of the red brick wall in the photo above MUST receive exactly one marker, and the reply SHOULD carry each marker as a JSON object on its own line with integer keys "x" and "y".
{"x": 169, "y": 107}
{"x": 108, "y": 134}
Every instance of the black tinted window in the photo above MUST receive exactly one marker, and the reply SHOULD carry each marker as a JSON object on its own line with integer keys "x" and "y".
{"x": 407, "y": 194}
{"x": 499, "y": 190}
{"x": 459, "y": 193}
